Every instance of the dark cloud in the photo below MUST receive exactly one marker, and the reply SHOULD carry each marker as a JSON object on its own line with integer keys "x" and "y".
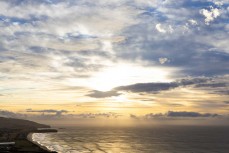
{"x": 212, "y": 85}
{"x": 152, "y": 115}
{"x": 97, "y": 115}
{"x": 56, "y": 112}
{"x": 133, "y": 116}
{"x": 100, "y": 94}
{"x": 158, "y": 87}
{"x": 216, "y": 85}
{"x": 9, "y": 114}
{"x": 222, "y": 92}
{"x": 183, "y": 53}
{"x": 148, "y": 87}
{"x": 193, "y": 81}
{"x": 175, "y": 115}
{"x": 189, "y": 114}
{"x": 173, "y": 105}
{"x": 209, "y": 104}
{"x": 51, "y": 114}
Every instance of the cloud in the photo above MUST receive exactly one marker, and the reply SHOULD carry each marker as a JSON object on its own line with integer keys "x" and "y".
{"x": 173, "y": 104}
{"x": 9, "y": 114}
{"x": 163, "y": 60}
{"x": 56, "y": 39}
{"x": 45, "y": 44}
{"x": 59, "y": 115}
{"x": 97, "y": 115}
{"x": 170, "y": 115}
{"x": 212, "y": 85}
{"x": 210, "y": 15}
{"x": 64, "y": 114}
{"x": 189, "y": 114}
{"x": 222, "y": 92}
{"x": 175, "y": 115}
{"x": 217, "y": 85}
{"x": 219, "y": 3}
{"x": 133, "y": 116}
{"x": 193, "y": 22}
{"x": 101, "y": 94}
{"x": 148, "y": 87}
{"x": 159, "y": 28}
{"x": 158, "y": 87}
{"x": 56, "y": 112}
{"x": 187, "y": 47}
{"x": 207, "y": 84}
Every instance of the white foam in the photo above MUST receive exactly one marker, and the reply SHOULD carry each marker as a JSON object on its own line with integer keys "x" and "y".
{"x": 44, "y": 140}
{"x": 38, "y": 137}
{"x": 50, "y": 143}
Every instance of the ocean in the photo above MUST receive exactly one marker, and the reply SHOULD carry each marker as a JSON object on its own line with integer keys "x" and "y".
{"x": 159, "y": 139}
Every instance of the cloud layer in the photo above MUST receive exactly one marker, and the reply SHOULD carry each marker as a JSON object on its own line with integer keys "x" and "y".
{"x": 176, "y": 115}
{"x": 54, "y": 51}
{"x": 217, "y": 85}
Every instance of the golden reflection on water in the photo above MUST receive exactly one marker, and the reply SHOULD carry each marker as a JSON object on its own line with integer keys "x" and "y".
{"x": 166, "y": 139}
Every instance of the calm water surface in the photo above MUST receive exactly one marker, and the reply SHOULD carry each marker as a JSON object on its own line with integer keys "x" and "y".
{"x": 163, "y": 139}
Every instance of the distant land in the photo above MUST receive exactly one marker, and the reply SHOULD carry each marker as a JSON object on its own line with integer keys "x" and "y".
{"x": 14, "y": 133}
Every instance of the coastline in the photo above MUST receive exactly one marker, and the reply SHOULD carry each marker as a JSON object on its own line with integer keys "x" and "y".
{"x": 16, "y": 136}
{"x": 44, "y": 148}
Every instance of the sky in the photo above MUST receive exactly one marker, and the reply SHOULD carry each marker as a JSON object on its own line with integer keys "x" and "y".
{"x": 114, "y": 58}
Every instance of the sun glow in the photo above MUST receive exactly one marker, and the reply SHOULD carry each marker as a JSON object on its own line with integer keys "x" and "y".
{"x": 121, "y": 98}
{"x": 125, "y": 74}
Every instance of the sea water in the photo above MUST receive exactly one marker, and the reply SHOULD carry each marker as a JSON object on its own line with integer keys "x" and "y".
{"x": 160, "y": 139}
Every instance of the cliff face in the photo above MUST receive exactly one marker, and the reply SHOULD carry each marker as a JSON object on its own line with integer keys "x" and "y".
{"x": 16, "y": 130}
{"x": 11, "y": 123}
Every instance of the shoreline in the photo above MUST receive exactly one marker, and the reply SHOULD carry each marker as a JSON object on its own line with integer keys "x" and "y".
{"x": 30, "y": 139}
{"x": 19, "y": 133}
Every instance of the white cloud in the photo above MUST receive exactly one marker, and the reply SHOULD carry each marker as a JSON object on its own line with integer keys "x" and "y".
{"x": 163, "y": 60}
{"x": 210, "y": 15}
{"x": 170, "y": 29}
{"x": 90, "y": 35}
{"x": 164, "y": 28}
{"x": 219, "y": 3}
{"x": 159, "y": 28}
{"x": 193, "y": 22}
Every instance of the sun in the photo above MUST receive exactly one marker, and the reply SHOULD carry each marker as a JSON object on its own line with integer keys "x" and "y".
{"x": 126, "y": 74}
